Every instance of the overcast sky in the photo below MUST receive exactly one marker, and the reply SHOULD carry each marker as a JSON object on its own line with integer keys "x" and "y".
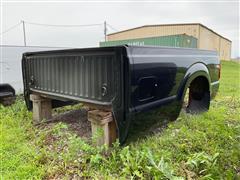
{"x": 222, "y": 17}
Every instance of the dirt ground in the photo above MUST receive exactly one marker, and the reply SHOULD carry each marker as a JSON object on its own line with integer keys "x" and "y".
{"x": 75, "y": 117}
{"x": 76, "y": 121}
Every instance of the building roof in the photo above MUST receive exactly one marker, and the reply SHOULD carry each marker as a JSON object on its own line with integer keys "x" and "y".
{"x": 154, "y": 25}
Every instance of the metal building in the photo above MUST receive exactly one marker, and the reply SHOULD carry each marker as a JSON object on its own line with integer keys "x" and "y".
{"x": 207, "y": 38}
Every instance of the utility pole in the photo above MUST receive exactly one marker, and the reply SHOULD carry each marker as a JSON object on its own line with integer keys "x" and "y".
{"x": 105, "y": 30}
{"x": 24, "y": 33}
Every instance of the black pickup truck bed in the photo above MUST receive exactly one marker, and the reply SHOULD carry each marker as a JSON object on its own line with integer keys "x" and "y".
{"x": 130, "y": 80}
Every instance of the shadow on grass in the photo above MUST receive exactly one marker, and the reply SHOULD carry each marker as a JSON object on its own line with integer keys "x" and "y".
{"x": 153, "y": 122}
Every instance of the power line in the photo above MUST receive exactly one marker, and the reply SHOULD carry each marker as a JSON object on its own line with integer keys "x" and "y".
{"x": 105, "y": 24}
{"x": 9, "y": 29}
{"x": 63, "y": 25}
{"x": 112, "y": 27}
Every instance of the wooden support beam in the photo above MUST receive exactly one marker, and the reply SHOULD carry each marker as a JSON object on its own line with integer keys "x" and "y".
{"x": 103, "y": 122}
{"x": 42, "y": 108}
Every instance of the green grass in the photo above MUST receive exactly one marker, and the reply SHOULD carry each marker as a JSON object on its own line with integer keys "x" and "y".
{"x": 205, "y": 146}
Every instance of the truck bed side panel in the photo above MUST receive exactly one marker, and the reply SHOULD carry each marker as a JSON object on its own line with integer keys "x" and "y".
{"x": 159, "y": 72}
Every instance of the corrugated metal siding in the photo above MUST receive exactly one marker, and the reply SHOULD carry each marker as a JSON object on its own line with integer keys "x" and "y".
{"x": 208, "y": 40}
{"x": 76, "y": 75}
{"x": 225, "y": 49}
{"x": 173, "y": 41}
{"x": 191, "y": 30}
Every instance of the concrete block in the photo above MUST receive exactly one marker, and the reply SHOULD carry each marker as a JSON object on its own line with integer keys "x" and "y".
{"x": 42, "y": 108}
{"x": 103, "y": 122}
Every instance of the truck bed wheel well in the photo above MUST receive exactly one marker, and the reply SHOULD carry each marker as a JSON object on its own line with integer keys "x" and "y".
{"x": 199, "y": 95}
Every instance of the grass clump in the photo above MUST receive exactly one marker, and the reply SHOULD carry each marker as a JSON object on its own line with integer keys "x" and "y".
{"x": 19, "y": 159}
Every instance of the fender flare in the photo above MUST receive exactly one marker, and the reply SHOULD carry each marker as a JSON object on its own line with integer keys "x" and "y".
{"x": 194, "y": 71}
